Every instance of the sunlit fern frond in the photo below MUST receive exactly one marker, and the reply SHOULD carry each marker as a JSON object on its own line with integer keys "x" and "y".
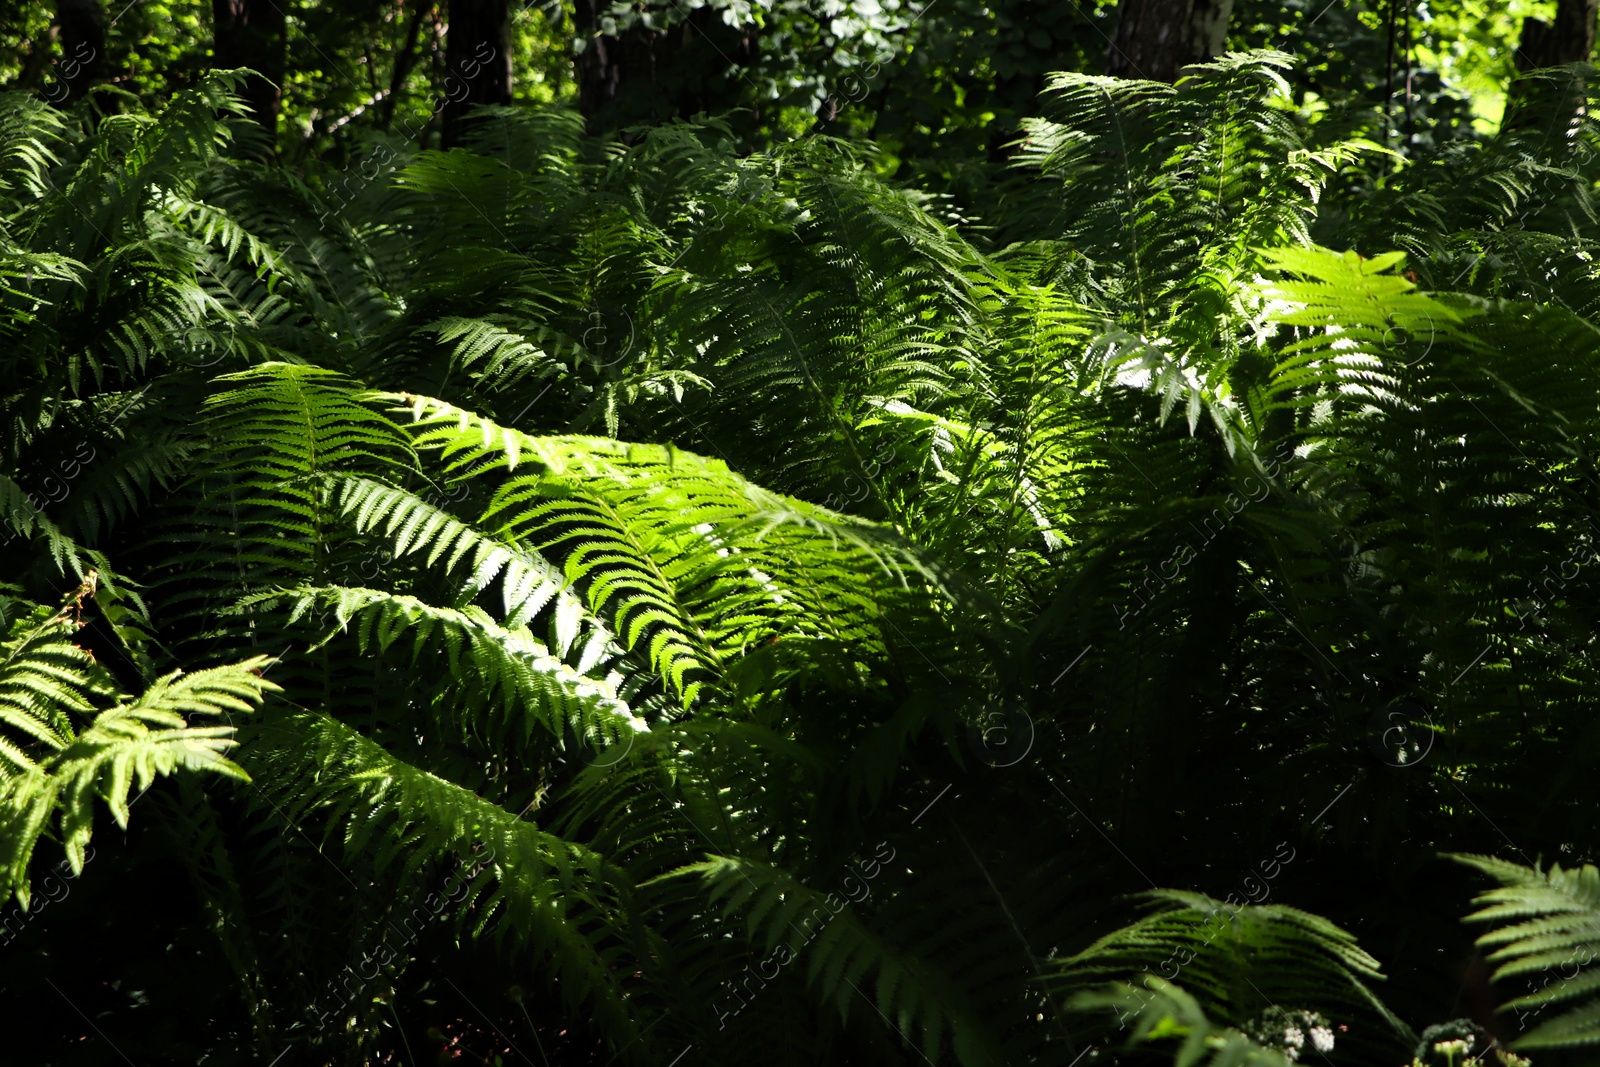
{"x": 64, "y": 751}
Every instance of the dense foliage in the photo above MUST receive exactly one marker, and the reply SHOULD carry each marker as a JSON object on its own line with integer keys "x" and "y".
{"x": 691, "y": 594}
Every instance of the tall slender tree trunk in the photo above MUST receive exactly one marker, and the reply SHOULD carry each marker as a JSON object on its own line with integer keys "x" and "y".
{"x": 1570, "y": 39}
{"x": 404, "y": 62}
{"x": 477, "y": 54}
{"x": 640, "y": 74}
{"x": 79, "y": 27}
{"x": 600, "y": 63}
{"x": 36, "y": 60}
{"x": 83, "y": 48}
{"x": 253, "y": 33}
{"x": 1156, "y": 39}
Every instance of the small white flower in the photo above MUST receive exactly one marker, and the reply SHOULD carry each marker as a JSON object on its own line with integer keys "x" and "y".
{"x": 1322, "y": 1038}
{"x": 1293, "y": 1037}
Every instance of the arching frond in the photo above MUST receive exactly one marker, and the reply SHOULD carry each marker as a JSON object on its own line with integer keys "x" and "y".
{"x": 1547, "y": 925}
{"x": 64, "y": 752}
{"x": 502, "y": 670}
{"x": 543, "y": 894}
{"x": 1237, "y": 962}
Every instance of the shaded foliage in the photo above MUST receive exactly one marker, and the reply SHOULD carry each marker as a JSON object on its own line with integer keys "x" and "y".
{"x": 664, "y": 595}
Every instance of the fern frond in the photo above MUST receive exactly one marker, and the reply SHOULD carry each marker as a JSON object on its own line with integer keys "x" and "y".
{"x": 537, "y": 891}
{"x": 503, "y": 670}
{"x": 529, "y": 582}
{"x": 1237, "y": 961}
{"x": 1546, "y": 922}
{"x": 125, "y": 746}
{"x": 1164, "y": 1011}
{"x": 685, "y": 560}
{"x": 926, "y": 1007}
{"x": 507, "y": 357}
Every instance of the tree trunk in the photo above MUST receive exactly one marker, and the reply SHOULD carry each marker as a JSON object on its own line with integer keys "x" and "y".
{"x": 252, "y": 33}
{"x": 643, "y": 75}
{"x": 477, "y": 54}
{"x": 404, "y": 61}
{"x": 1530, "y": 102}
{"x": 1156, "y": 39}
{"x": 83, "y": 49}
{"x": 600, "y": 64}
{"x": 36, "y": 60}
{"x": 1569, "y": 40}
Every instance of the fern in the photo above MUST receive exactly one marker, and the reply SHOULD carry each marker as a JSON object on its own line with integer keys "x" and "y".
{"x": 786, "y": 915}
{"x": 632, "y": 528}
{"x": 683, "y": 559}
{"x": 1545, "y": 924}
{"x": 502, "y": 670}
{"x": 1234, "y": 963}
{"x": 64, "y": 752}
{"x": 1163, "y": 1011}
{"x": 553, "y": 896}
